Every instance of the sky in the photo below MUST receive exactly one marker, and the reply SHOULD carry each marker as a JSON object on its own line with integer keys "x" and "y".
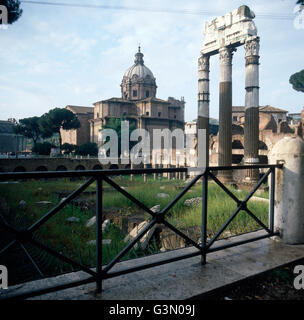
{"x": 55, "y": 56}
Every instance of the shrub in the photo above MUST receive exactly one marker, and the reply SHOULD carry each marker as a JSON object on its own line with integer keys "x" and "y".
{"x": 89, "y": 148}
{"x": 68, "y": 148}
{"x": 43, "y": 148}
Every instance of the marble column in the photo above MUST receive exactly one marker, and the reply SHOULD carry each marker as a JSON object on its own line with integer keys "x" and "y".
{"x": 225, "y": 113}
{"x": 203, "y": 103}
{"x": 251, "y": 128}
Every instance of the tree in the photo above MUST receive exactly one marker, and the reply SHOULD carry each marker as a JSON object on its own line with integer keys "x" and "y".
{"x": 13, "y": 10}
{"x": 301, "y": 2}
{"x": 89, "y": 148}
{"x": 297, "y": 81}
{"x": 43, "y": 148}
{"x": 29, "y": 127}
{"x": 56, "y": 119}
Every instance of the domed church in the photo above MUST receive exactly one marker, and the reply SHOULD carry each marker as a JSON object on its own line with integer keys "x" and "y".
{"x": 138, "y": 103}
{"x": 138, "y": 81}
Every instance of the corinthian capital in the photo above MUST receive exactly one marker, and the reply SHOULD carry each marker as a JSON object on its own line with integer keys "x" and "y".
{"x": 203, "y": 63}
{"x": 225, "y": 56}
{"x": 252, "y": 47}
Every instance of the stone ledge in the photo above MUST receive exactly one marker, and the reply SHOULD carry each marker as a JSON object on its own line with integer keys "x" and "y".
{"x": 179, "y": 280}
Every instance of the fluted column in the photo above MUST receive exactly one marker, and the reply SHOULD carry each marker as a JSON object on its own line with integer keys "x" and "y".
{"x": 203, "y": 103}
{"x": 225, "y": 112}
{"x": 251, "y": 129}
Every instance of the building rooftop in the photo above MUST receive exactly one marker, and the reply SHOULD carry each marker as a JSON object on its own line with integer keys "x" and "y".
{"x": 266, "y": 108}
{"x": 211, "y": 121}
{"x": 153, "y": 99}
{"x": 269, "y": 108}
{"x": 116, "y": 100}
{"x": 80, "y": 109}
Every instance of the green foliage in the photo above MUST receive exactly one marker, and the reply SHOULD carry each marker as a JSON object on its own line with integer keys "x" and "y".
{"x": 89, "y": 148}
{"x": 56, "y": 119}
{"x": 29, "y": 127}
{"x": 297, "y": 81}
{"x": 43, "y": 148}
{"x": 115, "y": 124}
{"x": 68, "y": 148}
{"x": 74, "y": 239}
{"x": 13, "y": 9}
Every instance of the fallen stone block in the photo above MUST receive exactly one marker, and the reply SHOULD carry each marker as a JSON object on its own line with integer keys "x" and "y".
{"x": 144, "y": 241}
{"x": 155, "y": 208}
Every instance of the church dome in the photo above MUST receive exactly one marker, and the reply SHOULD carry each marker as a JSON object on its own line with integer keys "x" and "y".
{"x": 138, "y": 69}
{"x": 138, "y": 81}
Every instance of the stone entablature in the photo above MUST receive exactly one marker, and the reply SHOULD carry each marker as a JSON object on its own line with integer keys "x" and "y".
{"x": 230, "y": 30}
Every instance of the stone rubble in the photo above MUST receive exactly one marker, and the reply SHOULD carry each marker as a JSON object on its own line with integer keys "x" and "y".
{"x": 22, "y": 204}
{"x": 104, "y": 241}
{"x": 155, "y": 208}
{"x": 73, "y": 219}
{"x": 193, "y": 202}
{"x": 162, "y": 195}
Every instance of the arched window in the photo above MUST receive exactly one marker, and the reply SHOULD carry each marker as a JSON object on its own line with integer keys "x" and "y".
{"x": 147, "y": 93}
{"x": 134, "y": 93}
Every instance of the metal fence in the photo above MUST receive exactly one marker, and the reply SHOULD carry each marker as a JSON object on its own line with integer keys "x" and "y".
{"x": 104, "y": 272}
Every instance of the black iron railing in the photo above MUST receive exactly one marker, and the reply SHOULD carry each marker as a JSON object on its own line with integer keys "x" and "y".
{"x": 104, "y": 272}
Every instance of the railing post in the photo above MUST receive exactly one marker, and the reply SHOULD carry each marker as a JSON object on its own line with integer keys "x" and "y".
{"x": 99, "y": 233}
{"x": 154, "y": 174}
{"x": 131, "y": 175}
{"x": 160, "y": 175}
{"x": 271, "y": 200}
{"x": 145, "y": 175}
{"x": 204, "y": 213}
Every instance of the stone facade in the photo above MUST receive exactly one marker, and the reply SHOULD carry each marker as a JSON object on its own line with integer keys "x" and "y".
{"x": 81, "y": 135}
{"x": 9, "y": 141}
{"x": 138, "y": 102}
{"x": 238, "y": 113}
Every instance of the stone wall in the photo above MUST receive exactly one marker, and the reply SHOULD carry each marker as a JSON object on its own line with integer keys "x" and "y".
{"x": 53, "y": 164}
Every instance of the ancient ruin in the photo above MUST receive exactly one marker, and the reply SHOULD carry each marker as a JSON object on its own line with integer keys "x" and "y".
{"x": 222, "y": 36}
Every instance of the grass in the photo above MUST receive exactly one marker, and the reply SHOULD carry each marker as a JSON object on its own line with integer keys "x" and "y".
{"x": 72, "y": 239}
